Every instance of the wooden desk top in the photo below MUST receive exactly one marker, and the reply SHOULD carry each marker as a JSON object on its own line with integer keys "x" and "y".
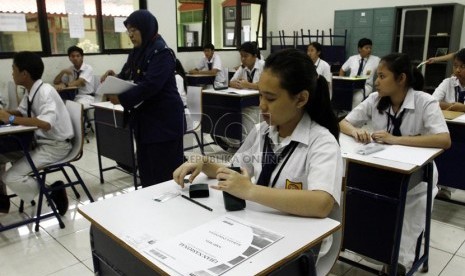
{"x": 349, "y": 148}
{"x": 454, "y": 116}
{"x": 137, "y": 214}
{"x": 108, "y": 105}
{"x": 232, "y": 92}
{"x": 11, "y": 129}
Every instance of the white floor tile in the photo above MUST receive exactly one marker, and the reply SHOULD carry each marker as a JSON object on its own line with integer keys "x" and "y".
{"x": 461, "y": 251}
{"x": 456, "y": 267}
{"x": 446, "y": 237}
{"x": 438, "y": 260}
{"x": 89, "y": 264}
{"x": 77, "y": 269}
{"x": 78, "y": 244}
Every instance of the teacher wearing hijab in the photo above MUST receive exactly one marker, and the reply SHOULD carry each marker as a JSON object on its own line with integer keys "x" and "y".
{"x": 153, "y": 108}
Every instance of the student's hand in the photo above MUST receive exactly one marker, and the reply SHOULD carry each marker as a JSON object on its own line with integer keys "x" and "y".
{"x": 107, "y": 73}
{"x": 60, "y": 86}
{"x": 113, "y": 99}
{"x": 431, "y": 60}
{"x": 4, "y": 116}
{"x": 361, "y": 135}
{"x": 384, "y": 137}
{"x": 456, "y": 107}
{"x": 193, "y": 168}
{"x": 237, "y": 184}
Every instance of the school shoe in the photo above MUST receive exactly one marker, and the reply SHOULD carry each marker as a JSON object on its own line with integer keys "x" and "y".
{"x": 4, "y": 204}
{"x": 444, "y": 193}
{"x": 59, "y": 197}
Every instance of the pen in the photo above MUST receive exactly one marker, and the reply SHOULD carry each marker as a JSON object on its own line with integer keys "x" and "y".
{"x": 196, "y": 202}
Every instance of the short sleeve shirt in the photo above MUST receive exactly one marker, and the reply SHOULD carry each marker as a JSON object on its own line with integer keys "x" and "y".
{"x": 324, "y": 69}
{"x": 370, "y": 65}
{"x": 446, "y": 91}
{"x": 85, "y": 72}
{"x": 241, "y": 73}
{"x": 216, "y": 64}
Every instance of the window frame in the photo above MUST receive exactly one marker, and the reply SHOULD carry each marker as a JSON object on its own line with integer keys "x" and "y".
{"x": 45, "y": 34}
{"x": 207, "y": 26}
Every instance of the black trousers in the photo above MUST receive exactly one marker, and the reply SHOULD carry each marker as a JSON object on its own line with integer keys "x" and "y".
{"x": 157, "y": 161}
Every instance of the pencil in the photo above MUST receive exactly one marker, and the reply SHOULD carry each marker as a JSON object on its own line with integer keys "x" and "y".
{"x": 196, "y": 202}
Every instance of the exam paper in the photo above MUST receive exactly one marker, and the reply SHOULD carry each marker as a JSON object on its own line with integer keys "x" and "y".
{"x": 114, "y": 86}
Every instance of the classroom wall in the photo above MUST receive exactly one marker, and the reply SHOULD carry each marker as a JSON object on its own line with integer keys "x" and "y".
{"x": 286, "y": 15}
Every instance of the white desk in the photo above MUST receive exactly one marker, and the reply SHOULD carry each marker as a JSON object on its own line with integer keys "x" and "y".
{"x": 376, "y": 191}
{"x": 137, "y": 213}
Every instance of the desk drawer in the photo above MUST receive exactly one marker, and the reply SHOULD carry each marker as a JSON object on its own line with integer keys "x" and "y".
{"x": 114, "y": 259}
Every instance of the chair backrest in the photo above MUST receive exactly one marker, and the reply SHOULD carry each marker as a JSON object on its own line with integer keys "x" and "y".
{"x": 194, "y": 104}
{"x": 13, "y": 98}
{"x": 75, "y": 111}
{"x": 325, "y": 263}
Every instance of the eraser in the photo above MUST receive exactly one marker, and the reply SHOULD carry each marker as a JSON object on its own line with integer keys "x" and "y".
{"x": 198, "y": 190}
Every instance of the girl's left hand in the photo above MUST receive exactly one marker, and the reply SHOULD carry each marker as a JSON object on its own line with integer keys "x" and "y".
{"x": 113, "y": 99}
{"x": 237, "y": 184}
{"x": 382, "y": 136}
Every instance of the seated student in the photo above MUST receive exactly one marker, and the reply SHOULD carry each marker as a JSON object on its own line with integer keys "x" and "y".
{"x": 80, "y": 74}
{"x": 362, "y": 65}
{"x": 248, "y": 74}
{"x": 322, "y": 67}
{"x": 246, "y": 77}
{"x": 210, "y": 64}
{"x": 182, "y": 88}
{"x": 451, "y": 92}
{"x": 305, "y": 179}
{"x": 42, "y": 107}
{"x": 401, "y": 115}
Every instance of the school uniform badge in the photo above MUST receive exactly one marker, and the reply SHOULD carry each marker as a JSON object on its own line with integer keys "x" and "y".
{"x": 293, "y": 185}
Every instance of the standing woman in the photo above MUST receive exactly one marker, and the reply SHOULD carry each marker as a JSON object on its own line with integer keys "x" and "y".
{"x": 322, "y": 67}
{"x": 401, "y": 115}
{"x": 153, "y": 107}
{"x": 291, "y": 161}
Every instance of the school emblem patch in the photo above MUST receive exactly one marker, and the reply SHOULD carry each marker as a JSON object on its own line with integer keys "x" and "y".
{"x": 293, "y": 185}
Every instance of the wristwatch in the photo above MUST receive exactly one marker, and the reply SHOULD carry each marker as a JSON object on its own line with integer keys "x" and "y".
{"x": 11, "y": 119}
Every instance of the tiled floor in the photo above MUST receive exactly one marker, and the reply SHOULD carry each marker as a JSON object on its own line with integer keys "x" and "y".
{"x": 55, "y": 251}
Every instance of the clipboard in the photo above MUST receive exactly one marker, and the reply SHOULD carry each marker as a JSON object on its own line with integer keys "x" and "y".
{"x": 114, "y": 86}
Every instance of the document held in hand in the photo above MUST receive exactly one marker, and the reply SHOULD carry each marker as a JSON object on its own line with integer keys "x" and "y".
{"x": 114, "y": 86}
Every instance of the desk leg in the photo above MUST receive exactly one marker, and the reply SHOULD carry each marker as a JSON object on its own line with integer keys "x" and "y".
{"x": 99, "y": 157}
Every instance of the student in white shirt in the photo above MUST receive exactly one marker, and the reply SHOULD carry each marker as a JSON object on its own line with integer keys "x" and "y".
{"x": 356, "y": 67}
{"x": 322, "y": 67}
{"x": 248, "y": 74}
{"x": 42, "y": 107}
{"x": 401, "y": 115}
{"x": 210, "y": 64}
{"x": 451, "y": 92}
{"x": 182, "y": 87}
{"x": 80, "y": 74}
{"x": 301, "y": 128}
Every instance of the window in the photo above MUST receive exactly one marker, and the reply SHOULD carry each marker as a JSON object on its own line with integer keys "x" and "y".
{"x": 52, "y": 26}
{"x": 225, "y": 23}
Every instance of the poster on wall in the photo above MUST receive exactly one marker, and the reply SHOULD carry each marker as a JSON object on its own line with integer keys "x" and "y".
{"x": 13, "y": 22}
{"x": 76, "y": 25}
{"x": 119, "y": 25}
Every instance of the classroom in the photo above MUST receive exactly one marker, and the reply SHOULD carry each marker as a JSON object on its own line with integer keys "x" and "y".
{"x": 122, "y": 224}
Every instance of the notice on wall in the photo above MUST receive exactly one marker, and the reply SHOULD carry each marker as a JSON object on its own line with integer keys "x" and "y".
{"x": 13, "y": 22}
{"x": 76, "y": 25}
{"x": 74, "y": 6}
{"x": 119, "y": 25}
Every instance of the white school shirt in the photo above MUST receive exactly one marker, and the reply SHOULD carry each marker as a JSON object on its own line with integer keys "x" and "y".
{"x": 370, "y": 64}
{"x": 422, "y": 115}
{"x": 49, "y": 107}
{"x": 241, "y": 72}
{"x": 445, "y": 92}
{"x": 316, "y": 163}
{"x": 324, "y": 69}
{"x": 86, "y": 73}
{"x": 216, "y": 64}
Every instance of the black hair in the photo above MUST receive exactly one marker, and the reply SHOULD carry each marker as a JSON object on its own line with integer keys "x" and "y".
{"x": 249, "y": 47}
{"x": 75, "y": 49}
{"x": 255, "y": 44}
{"x": 398, "y": 64}
{"x": 460, "y": 55}
{"x": 364, "y": 41}
{"x": 180, "y": 71}
{"x": 296, "y": 72}
{"x": 30, "y": 62}
{"x": 209, "y": 46}
{"x": 317, "y": 47}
